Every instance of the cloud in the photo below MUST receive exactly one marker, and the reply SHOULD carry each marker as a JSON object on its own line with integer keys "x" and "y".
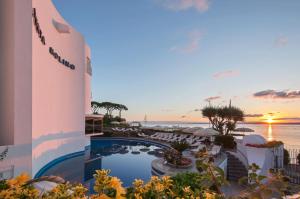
{"x": 273, "y": 94}
{"x": 281, "y": 41}
{"x": 192, "y": 44}
{"x": 254, "y": 115}
{"x": 224, "y": 74}
{"x": 167, "y": 110}
{"x": 287, "y": 118}
{"x": 180, "y": 5}
{"x": 209, "y": 99}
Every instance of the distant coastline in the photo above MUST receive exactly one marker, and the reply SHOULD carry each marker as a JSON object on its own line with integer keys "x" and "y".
{"x": 184, "y": 122}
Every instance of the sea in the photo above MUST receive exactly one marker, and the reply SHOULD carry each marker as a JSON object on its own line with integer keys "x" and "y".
{"x": 289, "y": 134}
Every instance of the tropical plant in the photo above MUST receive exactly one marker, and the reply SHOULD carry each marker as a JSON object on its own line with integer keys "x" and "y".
{"x": 214, "y": 176}
{"x": 260, "y": 186}
{"x": 180, "y": 146}
{"x": 223, "y": 119}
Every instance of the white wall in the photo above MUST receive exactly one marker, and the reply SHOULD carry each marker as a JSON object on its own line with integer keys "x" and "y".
{"x": 88, "y": 90}
{"x": 16, "y": 78}
{"x": 58, "y": 112}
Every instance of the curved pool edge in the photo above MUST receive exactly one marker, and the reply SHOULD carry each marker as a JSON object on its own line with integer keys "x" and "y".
{"x": 79, "y": 153}
{"x": 57, "y": 161}
{"x": 165, "y": 145}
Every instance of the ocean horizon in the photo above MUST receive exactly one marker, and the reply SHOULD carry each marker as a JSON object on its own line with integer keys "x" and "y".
{"x": 285, "y": 132}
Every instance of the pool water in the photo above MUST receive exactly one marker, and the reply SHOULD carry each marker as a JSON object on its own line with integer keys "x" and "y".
{"x": 127, "y": 160}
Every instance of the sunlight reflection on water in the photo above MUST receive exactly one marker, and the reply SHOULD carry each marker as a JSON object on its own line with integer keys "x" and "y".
{"x": 270, "y": 133}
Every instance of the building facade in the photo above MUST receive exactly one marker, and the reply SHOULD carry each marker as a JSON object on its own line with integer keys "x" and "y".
{"x": 45, "y": 74}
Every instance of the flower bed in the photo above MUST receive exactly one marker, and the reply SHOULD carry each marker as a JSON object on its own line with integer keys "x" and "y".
{"x": 271, "y": 144}
{"x": 175, "y": 159}
{"x": 183, "y": 164}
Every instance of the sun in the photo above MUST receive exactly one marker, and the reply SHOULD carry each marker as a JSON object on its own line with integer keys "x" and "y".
{"x": 270, "y": 120}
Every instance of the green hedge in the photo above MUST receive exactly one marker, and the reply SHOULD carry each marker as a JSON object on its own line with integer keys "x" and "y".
{"x": 227, "y": 141}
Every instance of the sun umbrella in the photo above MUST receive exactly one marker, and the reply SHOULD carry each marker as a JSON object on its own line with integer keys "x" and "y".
{"x": 206, "y": 132}
{"x": 244, "y": 130}
{"x": 192, "y": 129}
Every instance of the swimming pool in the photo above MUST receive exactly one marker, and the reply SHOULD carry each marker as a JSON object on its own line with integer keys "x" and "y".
{"x": 127, "y": 159}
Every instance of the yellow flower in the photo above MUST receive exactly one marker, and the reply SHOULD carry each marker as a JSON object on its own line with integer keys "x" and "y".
{"x": 103, "y": 196}
{"x": 159, "y": 187}
{"x": 137, "y": 196}
{"x": 115, "y": 182}
{"x": 154, "y": 178}
{"x": 187, "y": 189}
{"x": 19, "y": 180}
{"x": 209, "y": 195}
{"x": 138, "y": 183}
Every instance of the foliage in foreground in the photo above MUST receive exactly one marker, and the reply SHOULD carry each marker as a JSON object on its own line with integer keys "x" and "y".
{"x": 258, "y": 186}
{"x": 204, "y": 185}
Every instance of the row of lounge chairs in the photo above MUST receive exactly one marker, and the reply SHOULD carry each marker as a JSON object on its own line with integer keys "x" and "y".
{"x": 192, "y": 140}
{"x": 117, "y": 129}
{"x": 195, "y": 142}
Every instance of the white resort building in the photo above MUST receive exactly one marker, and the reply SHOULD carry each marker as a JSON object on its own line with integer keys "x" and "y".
{"x": 45, "y": 101}
{"x": 45, "y": 86}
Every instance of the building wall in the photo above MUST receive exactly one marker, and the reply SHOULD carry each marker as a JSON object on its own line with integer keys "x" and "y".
{"x": 58, "y": 92}
{"x": 43, "y": 102}
{"x": 16, "y": 84}
{"x": 88, "y": 77}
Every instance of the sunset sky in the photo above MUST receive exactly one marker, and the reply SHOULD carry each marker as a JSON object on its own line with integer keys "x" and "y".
{"x": 168, "y": 58}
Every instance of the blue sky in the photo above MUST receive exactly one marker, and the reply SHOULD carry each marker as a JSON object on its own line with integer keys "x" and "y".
{"x": 164, "y": 58}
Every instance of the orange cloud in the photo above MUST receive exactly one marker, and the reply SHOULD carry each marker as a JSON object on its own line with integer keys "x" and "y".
{"x": 273, "y": 94}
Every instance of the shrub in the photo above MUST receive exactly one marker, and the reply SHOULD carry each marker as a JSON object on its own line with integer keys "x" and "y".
{"x": 184, "y": 185}
{"x": 298, "y": 158}
{"x": 180, "y": 146}
{"x": 192, "y": 180}
{"x": 227, "y": 141}
{"x": 286, "y": 157}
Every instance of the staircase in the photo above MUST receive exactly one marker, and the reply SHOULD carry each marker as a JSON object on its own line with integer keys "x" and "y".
{"x": 235, "y": 168}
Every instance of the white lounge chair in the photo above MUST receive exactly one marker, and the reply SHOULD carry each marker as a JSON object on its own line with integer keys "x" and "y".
{"x": 215, "y": 150}
{"x": 195, "y": 144}
{"x": 142, "y": 135}
{"x": 200, "y": 147}
{"x": 154, "y": 135}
